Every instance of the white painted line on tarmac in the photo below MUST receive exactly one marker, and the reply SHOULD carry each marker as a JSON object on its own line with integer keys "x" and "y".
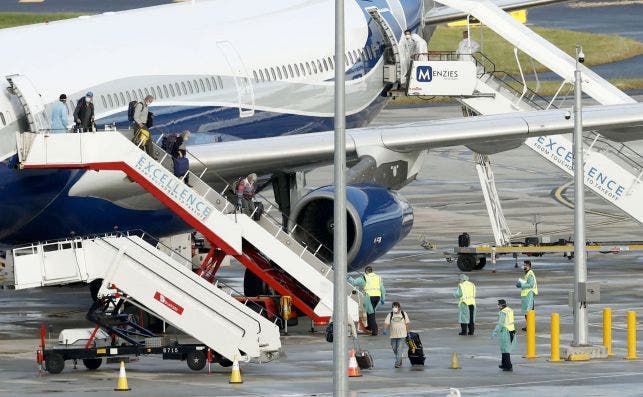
{"x": 549, "y": 381}
{"x": 31, "y": 1}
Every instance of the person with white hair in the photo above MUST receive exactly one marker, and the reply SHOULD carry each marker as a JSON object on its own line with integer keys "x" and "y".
{"x": 246, "y": 193}
{"x": 466, "y": 294}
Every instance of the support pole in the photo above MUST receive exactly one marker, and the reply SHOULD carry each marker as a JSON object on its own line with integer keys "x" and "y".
{"x": 555, "y": 338}
{"x": 580, "y": 265}
{"x": 631, "y": 336}
{"x": 340, "y": 367}
{"x": 531, "y": 334}
{"x": 607, "y": 330}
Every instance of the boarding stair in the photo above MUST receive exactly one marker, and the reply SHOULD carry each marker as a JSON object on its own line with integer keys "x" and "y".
{"x": 613, "y": 170}
{"x": 160, "y": 280}
{"x": 274, "y": 255}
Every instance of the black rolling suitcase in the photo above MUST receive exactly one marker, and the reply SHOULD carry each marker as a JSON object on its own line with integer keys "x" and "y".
{"x": 363, "y": 357}
{"x": 464, "y": 240}
{"x": 415, "y": 353}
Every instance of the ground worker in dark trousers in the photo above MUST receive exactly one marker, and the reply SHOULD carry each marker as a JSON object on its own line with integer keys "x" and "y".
{"x": 506, "y": 332}
{"x": 528, "y": 289}
{"x": 466, "y": 293}
{"x": 374, "y": 293}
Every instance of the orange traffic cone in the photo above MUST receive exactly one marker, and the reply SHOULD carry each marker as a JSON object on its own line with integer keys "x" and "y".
{"x": 122, "y": 379}
{"x": 353, "y": 368}
{"x": 235, "y": 376}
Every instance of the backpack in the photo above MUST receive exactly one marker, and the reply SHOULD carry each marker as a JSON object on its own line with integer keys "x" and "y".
{"x": 168, "y": 143}
{"x": 150, "y": 119}
{"x": 131, "y": 107}
{"x": 401, "y": 311}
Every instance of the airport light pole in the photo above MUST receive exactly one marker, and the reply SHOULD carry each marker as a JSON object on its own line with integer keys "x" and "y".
{"x": 580, "y": 264}
{"x": 340, "y": 373}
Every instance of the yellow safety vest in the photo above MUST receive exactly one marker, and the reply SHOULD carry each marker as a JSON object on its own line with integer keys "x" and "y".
{"x": 509, "y": 319}
{"x": 372, "y": 286}
{"x": 526, "y": 291}
{"x": 468, "y": 290}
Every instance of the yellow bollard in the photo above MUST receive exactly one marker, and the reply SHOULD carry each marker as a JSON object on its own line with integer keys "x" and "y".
{"x": 607, "y": 330}
{"x": 631, "y": 336}
{"x": 531, "y": 334}
{"x": 555, "y": 338}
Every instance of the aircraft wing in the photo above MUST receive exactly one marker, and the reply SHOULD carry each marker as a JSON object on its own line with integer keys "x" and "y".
{"x": 308, "y": 151}
{"x": 447, "y": 14}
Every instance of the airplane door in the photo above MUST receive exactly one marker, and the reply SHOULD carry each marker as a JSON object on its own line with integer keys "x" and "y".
{"x": 242, "y": 80}
{"x": 31, "y": 101}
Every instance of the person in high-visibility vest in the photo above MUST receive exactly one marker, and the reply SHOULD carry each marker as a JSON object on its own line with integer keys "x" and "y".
{"x": 528, "y": 289}
{"x": 375, "y": 294}
{"x": 466, "y": 294}
{"x": 506, "y": 331}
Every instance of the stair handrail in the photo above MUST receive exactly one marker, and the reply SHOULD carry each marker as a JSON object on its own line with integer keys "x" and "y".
{"x": 623, "y": 151}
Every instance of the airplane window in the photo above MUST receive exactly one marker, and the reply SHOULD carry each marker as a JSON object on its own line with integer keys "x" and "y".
{"x": 202, "y": 85}
{"x": 122, "y": 98}
{"x": 214, "y": 83}
{"x": 109, "y": 99}
{"x": 196, "y": 86}
{"x": 261, "y": 75}
{"x": 279, "y": 73}
{"x": 190, "y": 87}
{"x": 297, "y": 70}
{"x": 314, "y": 67}
{"x": 116, "y": 100}
{"x": 129, "y": 97}
{"x": 140, "y": 94}
{"x": 104, "y": 101}
{"x": 285, "y": 71}
{"x": 319, "y": 66}
{"x": 267, "y": 75}
{"x": 350, "y": 57}
{"x": 290, "y": 70}
{"x": 330, "y": 63}
{"x": 146, "y": 92}
{"x": 178, "y": 89}
{"x": 4, "y": 122}
{"x": 272, "y": 73}
{"x": 172, "y": 90}
{"x": 308, "y": 68}
{"x": 220, "y": 81}
{"x": 303, "y": 71}
{"x": 325, "y": 64}
{"x": 185, "y": 91}
{"x": 207, "y": 81}
{"x": 158, "y": 90}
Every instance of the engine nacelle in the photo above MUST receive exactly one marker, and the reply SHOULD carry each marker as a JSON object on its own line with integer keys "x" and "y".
{"x": 377, "y": 218}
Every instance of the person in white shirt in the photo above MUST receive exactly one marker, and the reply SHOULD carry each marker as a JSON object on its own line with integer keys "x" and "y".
{"x": 467, "y": 47}
{"x": 398, "y": 321}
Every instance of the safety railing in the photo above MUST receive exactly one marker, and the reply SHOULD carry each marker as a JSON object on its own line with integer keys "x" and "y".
{"x": 629, "y": 156}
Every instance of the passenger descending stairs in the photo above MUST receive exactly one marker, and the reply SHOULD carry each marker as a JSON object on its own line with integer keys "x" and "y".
{"x": 263, "y": 247}
{"x": 612, "y": 170}
{"x": 162, "y": 283}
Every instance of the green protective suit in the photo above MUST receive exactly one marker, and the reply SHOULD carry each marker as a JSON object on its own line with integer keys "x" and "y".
{"x": 463, "y": 309}
{"x": 361, "y": 282}
{"x": 504, "y": 339}
{"x": 527, "y": 301}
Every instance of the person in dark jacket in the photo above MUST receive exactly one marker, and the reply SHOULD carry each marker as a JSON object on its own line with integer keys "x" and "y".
{"x": 84, "y": 113}
{"x": 182, "y": 166}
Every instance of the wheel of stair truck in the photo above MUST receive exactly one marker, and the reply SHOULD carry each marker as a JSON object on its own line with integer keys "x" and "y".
{"x": 196, "y": 360}
{"x": 94, "y": 287}
{"x": 253, "y": 285}
{"x": 482, "y": 261}
{"x": 92, "y": 363}
{"x": 466, "y": 262}
{"x": 54, "y": 363}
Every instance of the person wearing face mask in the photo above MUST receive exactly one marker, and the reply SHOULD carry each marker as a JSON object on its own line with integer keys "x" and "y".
{"x": 59, "y": 115}
{"x": 467, "y": 47}
{"x": 374, "y": 292}
{"x": 84, "y": 113}
{"x": 466, "y": 294}
{"x": 398, "y": 322}
{"x": 408, "y": 50}
{"x": 506, "y": 331}
{"x": 528, "y": 289}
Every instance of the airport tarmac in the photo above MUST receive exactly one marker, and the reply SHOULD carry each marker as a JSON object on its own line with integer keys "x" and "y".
{"x": 447, "y": 201}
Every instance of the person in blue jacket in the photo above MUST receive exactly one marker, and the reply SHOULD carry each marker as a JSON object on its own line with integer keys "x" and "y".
{"x": 59, "y": 115}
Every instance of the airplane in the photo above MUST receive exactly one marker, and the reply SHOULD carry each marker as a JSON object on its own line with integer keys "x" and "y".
{"x": 253, "y": 82}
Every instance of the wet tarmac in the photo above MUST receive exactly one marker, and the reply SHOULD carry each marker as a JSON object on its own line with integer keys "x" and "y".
{"x": 446, "y": 203}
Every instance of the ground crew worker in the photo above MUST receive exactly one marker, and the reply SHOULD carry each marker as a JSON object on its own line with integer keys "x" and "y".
{"x": 59, "y": 115}
{"x": 528, "y": 289}
{"x": 507, "y": 332}
{"x": 399, "y": 322}
{"x": 467, "y": 47}
{"x": 374, "y": 293}
{"x": 246, "y": 193}
{"x": 466, "y": 293}
{"x": 84, "y": 113}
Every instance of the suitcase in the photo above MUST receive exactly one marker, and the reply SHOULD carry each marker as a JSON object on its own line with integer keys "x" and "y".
{"x": 258, "y": 211}
{"x": 416, "y": 352}
{"x": 363, "y": 357}
{"x": 464, "y": 240}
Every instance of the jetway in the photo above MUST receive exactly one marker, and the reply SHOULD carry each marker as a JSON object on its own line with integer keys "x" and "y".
{"x": 262, "y": 246}
{"x": 163, "y": 284}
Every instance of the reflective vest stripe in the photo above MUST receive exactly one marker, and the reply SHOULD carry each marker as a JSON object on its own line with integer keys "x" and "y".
{"x": 526, "y": 291}
{"x": 509, "y": 319}
{"x": 372, "y": 286}
{"x": 468, "y": 290}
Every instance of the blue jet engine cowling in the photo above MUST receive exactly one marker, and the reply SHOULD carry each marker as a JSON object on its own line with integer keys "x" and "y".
{"x": 377, "y": 219}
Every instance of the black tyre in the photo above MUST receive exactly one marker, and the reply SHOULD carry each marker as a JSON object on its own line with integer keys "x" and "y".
{"x": 466, "y": 262}
{"x": 196, "y": 360}
{"x": 481, "y": 263}
{"x": 54, "y": 363}
{"x": 94, "y": 287}
{"x": 92, "y": 363}
{"x": 253, "y": 285}
{"x": 224, "y": 362}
